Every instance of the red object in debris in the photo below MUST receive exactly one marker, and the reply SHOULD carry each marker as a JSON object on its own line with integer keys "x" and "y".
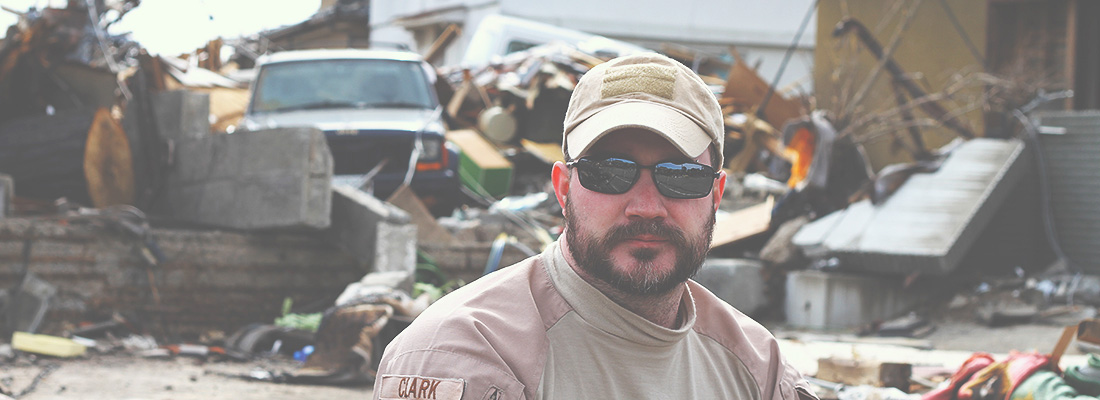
{"x": 193, "y": 349}
{"x": 976, "y": 362}
{"x": 980, "y": 372}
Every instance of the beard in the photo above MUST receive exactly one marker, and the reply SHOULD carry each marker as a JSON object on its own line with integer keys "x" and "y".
{"x": 593, "y": 252}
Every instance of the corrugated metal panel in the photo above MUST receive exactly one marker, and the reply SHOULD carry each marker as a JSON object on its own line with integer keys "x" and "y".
{"x": 932, "y": 220}
{"x": 1073, "y": 168}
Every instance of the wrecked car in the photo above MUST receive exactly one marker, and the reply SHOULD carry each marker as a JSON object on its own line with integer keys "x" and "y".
{"x": 377, "y": 109}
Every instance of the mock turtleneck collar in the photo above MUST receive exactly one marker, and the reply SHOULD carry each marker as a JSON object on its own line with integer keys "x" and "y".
{"x": 603, "y": 313}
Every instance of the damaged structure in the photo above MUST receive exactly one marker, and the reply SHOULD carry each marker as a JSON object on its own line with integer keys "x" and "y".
{"x": 130, "y": 190}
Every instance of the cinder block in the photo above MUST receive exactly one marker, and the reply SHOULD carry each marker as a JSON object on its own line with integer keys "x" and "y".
{"x": 737, "y": 281}
{"x": 276, "y": 178}
{"x": 182, "y": 114}
{"x": 379, "y": 235}
{"x": 832, "y": 300}
{"x": 7, "y": 192}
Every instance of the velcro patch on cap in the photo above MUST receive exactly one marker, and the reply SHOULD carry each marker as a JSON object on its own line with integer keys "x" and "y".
{"x": 408, "y": 387}
{"x": 657, "y": 80}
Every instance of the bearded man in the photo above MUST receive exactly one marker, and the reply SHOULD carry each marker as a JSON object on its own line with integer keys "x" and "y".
{"x": 609, "y": 310}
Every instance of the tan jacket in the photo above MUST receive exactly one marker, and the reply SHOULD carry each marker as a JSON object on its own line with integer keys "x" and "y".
{"x": 536, "y": 330}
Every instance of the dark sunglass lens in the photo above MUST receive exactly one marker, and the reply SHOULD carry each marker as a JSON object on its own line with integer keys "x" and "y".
{"x": 609, "y": 176}
{"x": 683, "y": 180}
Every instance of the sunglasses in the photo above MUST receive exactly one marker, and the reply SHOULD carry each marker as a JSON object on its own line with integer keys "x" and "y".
{"x": 683, "y": 180}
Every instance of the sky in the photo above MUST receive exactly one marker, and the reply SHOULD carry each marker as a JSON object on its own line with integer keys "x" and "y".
{"x": 172, "y": 27}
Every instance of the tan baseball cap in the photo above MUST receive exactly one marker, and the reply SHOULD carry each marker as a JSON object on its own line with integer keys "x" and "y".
{"x": 648, "y": 91}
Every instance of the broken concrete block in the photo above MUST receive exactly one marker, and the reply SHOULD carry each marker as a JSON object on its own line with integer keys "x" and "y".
{"x": 182, "y": 114}
{"x": 7, "y": 193}
{"x": 379, "y": 235}
{"x": 737, "y": 281}
{"x": 277, "y": 178}
{"x": 833, "y": 300}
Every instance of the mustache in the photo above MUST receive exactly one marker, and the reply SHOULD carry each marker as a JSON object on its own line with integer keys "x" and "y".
{"x": 645, "y": 227}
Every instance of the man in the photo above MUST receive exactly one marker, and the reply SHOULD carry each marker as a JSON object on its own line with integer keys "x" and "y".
{"x": 608, "y": 311}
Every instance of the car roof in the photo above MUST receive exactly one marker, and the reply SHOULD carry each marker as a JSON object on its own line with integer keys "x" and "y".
{"x": 338, "y": 54}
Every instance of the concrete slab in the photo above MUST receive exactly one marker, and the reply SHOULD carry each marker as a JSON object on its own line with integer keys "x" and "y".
{"x": 278, "y": 178}
{"x": 379, "y": 235}
{"x": 829, "y": 300}
{"x": 737, "y": 281}
{"x": 182, "y": 114}
{"x": 928, "y": 225}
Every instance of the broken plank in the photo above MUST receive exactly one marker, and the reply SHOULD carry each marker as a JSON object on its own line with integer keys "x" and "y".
{"x": 547, "y": 152}
{"x": 442, "y": 42}
{"x": 742, "y": 224}
{"x": 746, "y": 89}
{"x": 428, "y": 230}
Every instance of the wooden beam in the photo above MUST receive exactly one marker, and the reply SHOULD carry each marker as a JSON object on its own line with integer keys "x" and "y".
{"x": 445, "y": 39}
{"x": 742, "y": 224}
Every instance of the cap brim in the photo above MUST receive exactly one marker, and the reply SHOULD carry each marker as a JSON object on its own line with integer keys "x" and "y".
{"x": 680, "y": 130}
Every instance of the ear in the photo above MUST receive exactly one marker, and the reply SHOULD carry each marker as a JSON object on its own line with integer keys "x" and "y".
{"x": 559, "y": 177}
{"x": 719, "y": 188}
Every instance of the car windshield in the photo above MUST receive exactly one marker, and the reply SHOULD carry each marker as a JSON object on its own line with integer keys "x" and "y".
{"x": 320, "y": 84}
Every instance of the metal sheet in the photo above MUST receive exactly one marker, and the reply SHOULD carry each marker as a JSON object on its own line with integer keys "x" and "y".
{"x": 932, "y": 220}
{"x": 1073, "y": 169}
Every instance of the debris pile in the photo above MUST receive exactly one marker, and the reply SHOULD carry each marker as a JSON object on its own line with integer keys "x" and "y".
{"x": 95, "y": 133}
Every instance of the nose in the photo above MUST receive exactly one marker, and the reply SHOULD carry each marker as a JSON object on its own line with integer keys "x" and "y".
{"x": 643, "y": 200}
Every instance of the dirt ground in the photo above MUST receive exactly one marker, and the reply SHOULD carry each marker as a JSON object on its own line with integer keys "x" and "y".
{"x": 120, "y": 376}
{"x": 134, "y": 378}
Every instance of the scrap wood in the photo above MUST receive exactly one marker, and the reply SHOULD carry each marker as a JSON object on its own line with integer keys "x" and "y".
{"x": 865, "y": 372}
{"x": 742, "y": 224}
{"x": 745, "y": 90}
{"x": 153, "y": 69}
{"x": 442, "y": 42}
{"x": 756, "y": 134}
{"x": 428, "y": 229}
{"x": 1088, "y": 330}
{"x": 547, "y": 152}
{"x": 1063, "y": 342}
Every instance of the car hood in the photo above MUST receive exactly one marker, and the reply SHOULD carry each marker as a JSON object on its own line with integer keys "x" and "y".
{"x": 403, "y": 119}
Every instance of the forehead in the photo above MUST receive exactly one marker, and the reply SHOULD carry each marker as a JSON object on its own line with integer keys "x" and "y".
{"x": 641, "y": 145}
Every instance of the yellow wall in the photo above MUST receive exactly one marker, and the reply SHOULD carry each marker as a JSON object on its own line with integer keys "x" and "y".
{"x": 931, "y": 50}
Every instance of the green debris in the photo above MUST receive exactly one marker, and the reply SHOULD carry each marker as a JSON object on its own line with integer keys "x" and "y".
{"x": 305, "y": 322}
